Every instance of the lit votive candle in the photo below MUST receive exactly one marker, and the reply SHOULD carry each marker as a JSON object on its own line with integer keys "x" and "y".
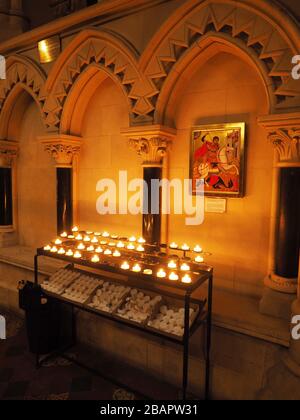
{"x": 105, "y": 235}
{"x": 140, "y": 248}
{"x": 112, "y": 244}
{"x": 199, "y": 259}
{"x": 61, "y": 251}
{"x": 79, "y": 237}
{"x": 185, "y": 247}
{"x": 161, "y": 274}
{"x": 71, "y": 237}
{"x": 172, "y": 264}
{"x": 97, "y": 234}
{"x": 173, "y": 277}
{"x": 94, "y": 240}
{"x": 107, "y": 252}
{"x": 87, "y": 239}
{"x": 54, "y": 249}
{"x": 77, "y": 255}
{"x": 47, "y": 248}
{"x": 198, "y": 249}
{"x": 186, "y": 279}
{"x": 99, "y": 250}
{"x": 64, "y": 235}
{"x": 81, "y": 246}
{"x": 91, "y": 248}
{"x": 141, "y": 241}
{"x": 75, "y": 229}
{"x": 185, "y": 267}
{"x": 125, "y": 266}
{"x": 95, "y": 259}
{"x": 114, "y": 236}
{"x": 69, "y": 253}
{"x": 173, "y": 245}
{"x": 131, "y": 247}
{"x": 137, "y": 268}
{"x": 58, "y": 242}
{"x": 132, "y": 239}
{"x": 148, "y": 272}
{"x": 120, "y": 245}
{"x": 89, "y": 232}
{"x": 103, "y": 242}
{"x": 117, "y": 254}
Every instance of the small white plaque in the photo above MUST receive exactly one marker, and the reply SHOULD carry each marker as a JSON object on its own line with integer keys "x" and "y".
{"x": 215, "y": 205}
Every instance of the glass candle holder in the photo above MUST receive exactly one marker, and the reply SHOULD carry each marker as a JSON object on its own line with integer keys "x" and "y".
{"x": 173, "y": 277}
{"x": 64, "y": 235}
{"x": 161, "y": 274}
{"x": 185, "y": 267}
{"x": 99, "y": 250}
{"x": 61, "y": 251}
{"x": 173, "y": 245}
{"x": 120, "y": 245}
{"x": 140, "y": 248}
{"x": 198, "y": 249}
{"x": 81, "y": 247}
{"x": 148, "y": 272}
{"x": 132, "y": 239}
{"x": 91, "y": 248}
{"x": 186, "y": 279}
{"x": 54, "y": 249}
{"x": 185, "y": 247}
{"x": 141, "y": 241}
{"x": 172, "y": 264}
{"x": 58, "y": 241}
{"x": 131, "y": 247}
{"x": 77, "y": 255}
{"x": 47, "y": 248}
{"x": 199, "y": 259}
{"x": 95, "y": 259}
{"x": 125, "y": 266}
{"x": 137, "y": 268}
{"x": 69, "y": 253}
{"x": 105, "y": 235}
{"x": 117, "y": 254}
{"x": 107, "y": 252}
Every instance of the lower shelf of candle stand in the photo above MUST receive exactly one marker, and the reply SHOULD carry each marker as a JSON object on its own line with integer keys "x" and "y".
{"x": 198, "y": 322}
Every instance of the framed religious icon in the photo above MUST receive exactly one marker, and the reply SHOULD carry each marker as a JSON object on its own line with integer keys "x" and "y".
{"x": 217, "y": 157}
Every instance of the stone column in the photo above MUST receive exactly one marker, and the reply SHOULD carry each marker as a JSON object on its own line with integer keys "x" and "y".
{"x": 12, "y": 19}
{"x": 64, "y": 151}
{"x": 152, "y": 144}
{"x": 8, "y": 205}
{"x": 281, "y": 282}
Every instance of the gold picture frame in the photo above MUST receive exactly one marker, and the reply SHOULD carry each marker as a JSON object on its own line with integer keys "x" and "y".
{"x": 217, "y": 156}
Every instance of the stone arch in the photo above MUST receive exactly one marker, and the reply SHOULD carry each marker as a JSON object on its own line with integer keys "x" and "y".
{"x": 105, "y": 51}
{"x": 196, "y": 57}
{"x": 254, "y": 26}
{"x": 22, "y": 74}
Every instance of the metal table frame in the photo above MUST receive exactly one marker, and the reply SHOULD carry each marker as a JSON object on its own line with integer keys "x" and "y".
{"x": 204, "y": 317}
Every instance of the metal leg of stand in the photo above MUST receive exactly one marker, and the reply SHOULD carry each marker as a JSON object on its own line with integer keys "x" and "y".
{"x": 36, "y": 270}
{"x": 186, "y": 347}
{"x": 208, "y": 339}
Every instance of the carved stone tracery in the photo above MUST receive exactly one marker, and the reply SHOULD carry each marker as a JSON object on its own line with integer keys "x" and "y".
{"x": 151, "y": 143}
{"x": 8, "y": 153}
{"x": 62, "y": 149}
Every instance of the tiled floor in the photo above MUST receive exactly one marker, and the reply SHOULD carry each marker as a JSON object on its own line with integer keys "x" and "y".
{"x": 57, "y": 380}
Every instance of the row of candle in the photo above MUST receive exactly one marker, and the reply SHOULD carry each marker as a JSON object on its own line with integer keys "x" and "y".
{"x": 125, "y": 265}
{"x": 115, "y": 253}
{"x": 86, "y": 238}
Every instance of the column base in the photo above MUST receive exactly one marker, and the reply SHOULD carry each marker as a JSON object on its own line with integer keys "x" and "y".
{"x": 276, "y": 304}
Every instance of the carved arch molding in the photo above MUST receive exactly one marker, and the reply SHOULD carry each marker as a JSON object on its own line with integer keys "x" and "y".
{"x": 142, "y": 78}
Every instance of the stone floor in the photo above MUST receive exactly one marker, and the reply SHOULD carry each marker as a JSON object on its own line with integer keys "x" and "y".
{"x": 57, "y": 380}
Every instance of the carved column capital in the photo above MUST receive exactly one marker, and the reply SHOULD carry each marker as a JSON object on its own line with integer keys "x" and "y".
{"x": 62, "y": 148}
{"x": 151, "y": 143}
{"x": 284, "y": 133}
{"x": 8, "y": 152}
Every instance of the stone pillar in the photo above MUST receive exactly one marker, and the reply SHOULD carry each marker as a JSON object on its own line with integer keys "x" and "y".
{"x": 281, "y": 282}
{"x": 65, "y": 151}
{"x": 12, "y": 19}
{"x": 8, "y": 205}
{"x": 152, "y": 144}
